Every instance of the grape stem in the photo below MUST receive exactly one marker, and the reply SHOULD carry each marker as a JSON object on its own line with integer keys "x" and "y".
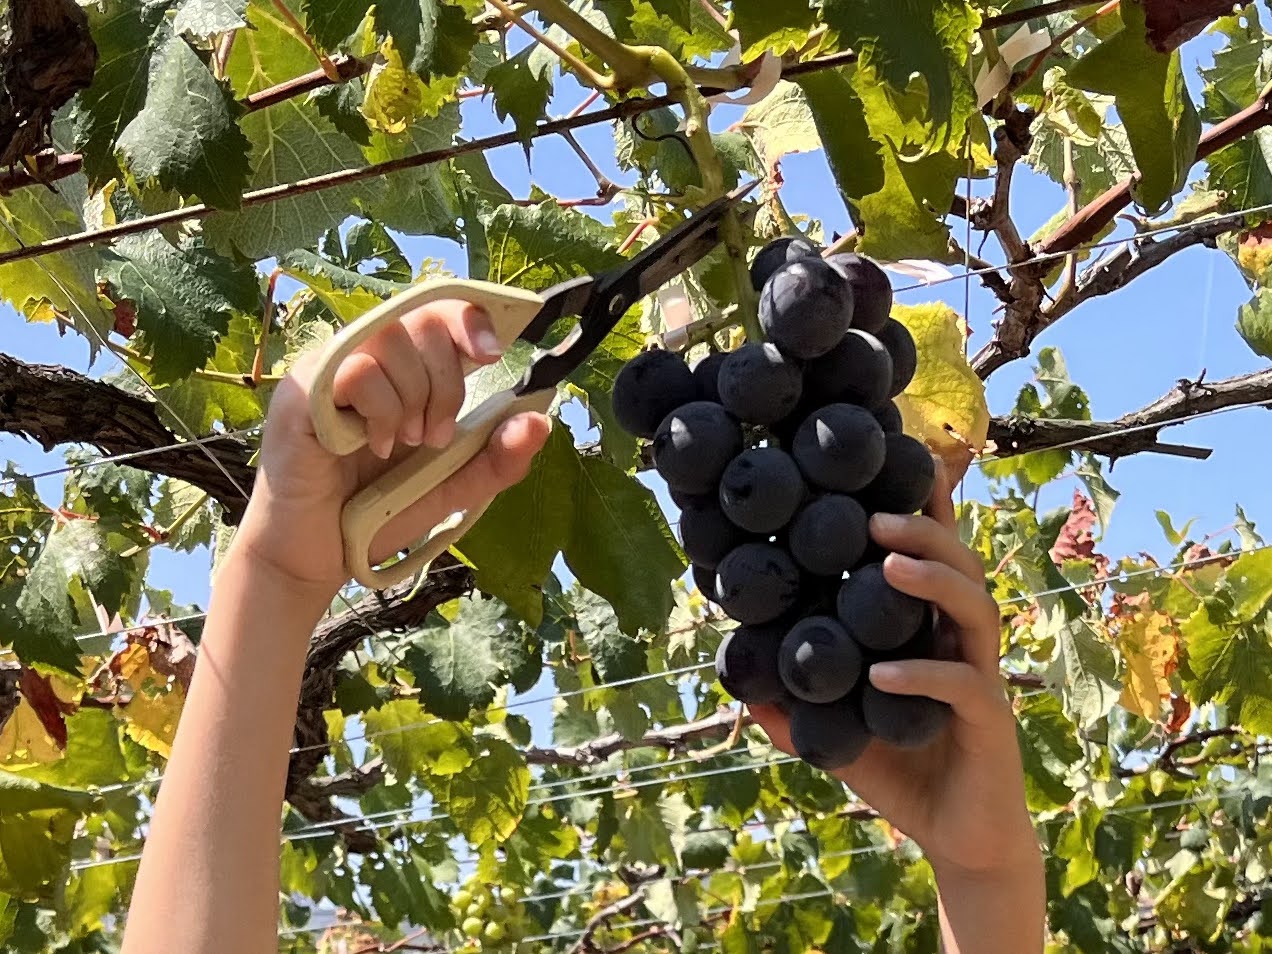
{"x": 635, "y": 66}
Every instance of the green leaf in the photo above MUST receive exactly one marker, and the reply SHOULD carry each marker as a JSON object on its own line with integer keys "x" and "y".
{"x": 1254, "y": 321}
{"x": 290, "y": 141}
{"x": 615, "y": 655}
{"x": 19, "y": 795}
{"x": 396, "y": 96}
{"x": 184, "y": 296}
{"x": 521, "y": 86}
{"x": 127, "y": 34}
{"x": 55, "y": 286}
{"x": 417, "y": 745}
{"x": 332, "y": 21}
{"x": 1161, "y": 122}
{"x": 458, "y": 664}
{"x": 931, "y": 38}
{"x": 479, "y": 194}
{"x": 646, "y": 24}
{"x": 539, "y": 246}
{"x": 1086, "y": 667}
{"x": 176, "y": 500}
{"x": 1228, "y": 651}
{"x": 34, "y": 851}
{"x": 186, "y": 137}
{"x": 594, "y": 382}
{"x": 434, "y": 37}
{"x": 1049, "y": 750}
{"x": 1076, "y": 844}
{"x": 486, "y": 800}
{"x": 423, "y": 201}
{"x": 206, "y": 18}
{"x": 8, "y": 914}
{"x": 776, "y": 28}
{"x": 115, "y": 494}
{"x": 1174, "y": 537}
{"x": 603, "y": 521}
{"x": 93, "y": 756}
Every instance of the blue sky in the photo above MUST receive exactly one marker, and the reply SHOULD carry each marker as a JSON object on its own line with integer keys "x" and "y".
{"x": 1125, "y": 349}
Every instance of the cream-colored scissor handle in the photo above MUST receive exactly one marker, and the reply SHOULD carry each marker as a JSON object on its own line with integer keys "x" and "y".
{"x": 343, "y": 431}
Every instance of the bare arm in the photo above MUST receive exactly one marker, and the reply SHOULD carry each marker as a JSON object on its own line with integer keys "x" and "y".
{"x": 209, "y": 879}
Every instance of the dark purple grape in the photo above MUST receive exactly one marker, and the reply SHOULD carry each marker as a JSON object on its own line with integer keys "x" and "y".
{"x": 819, "y": 661}
{"x": 706, "y": 374}
{"x": 828, "y": 536}
{"x": 840, "y": 447}
{"x": 776, "y": 254}
{"x": 757, "y": 583}
{"x": 694, "y": 444}
{"x": 830, "y": 736}
{"x": 648, "y": 388}
{"x": 904, "y": 483}
{"x": 707, "y": 535}
{"x": 889, "y": 418}
{"x": 858, "y": 370}
{"x": 871, "y": 289}
{"x": 806, "y": 308}
{"x": 761, "y": 489}
{"x": 905, "y": 357}
{"x": 758, "y": 384}
{"x": 746, "y": 664}
{"x": 908, "y": 722}
{"x": 880, "y": 617}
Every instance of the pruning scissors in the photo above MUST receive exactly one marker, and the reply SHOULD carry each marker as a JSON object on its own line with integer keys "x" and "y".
{"x": 599, "y": 302}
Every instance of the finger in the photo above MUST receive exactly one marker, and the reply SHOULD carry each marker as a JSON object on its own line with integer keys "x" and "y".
{"x": 940, "y": 505}
{"x": 925, "y": 539}
{"x": 446, "y": 383}
{"x": 468, "y": 325}
{"x": 360, "y": 383}
{"x": 976, "y": 699}
{"x": 505, "y": 461}
{"x": 962, "y": 600}
{"x": 403, "y": 362}
{"x": 776, "y": 725}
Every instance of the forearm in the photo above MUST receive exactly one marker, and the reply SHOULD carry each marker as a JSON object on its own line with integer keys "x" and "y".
{"x": 1003, "y": 911}
{"x": 208, "y": 880}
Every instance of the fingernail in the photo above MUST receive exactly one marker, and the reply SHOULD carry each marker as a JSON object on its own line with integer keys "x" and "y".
{"x": 900, "y": 563}
{"x": 440, "y": 434}
{"x": 486, "y": 343}
{"x": 413, "y": 432}
{"x": 887, "y": 521}
{"x": 382, "y": 447}
{"x": 886, "y": 674}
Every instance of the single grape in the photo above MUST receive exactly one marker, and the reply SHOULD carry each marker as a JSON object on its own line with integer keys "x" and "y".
{"x": 493, "y": 932}
{"x": 880, "y": 617}
{"x": 776, "y": 254}
{"x": 648, "y": 388}
{"x": 806, "y": 308}
{"x": 706, "y": 374}
{"x": 694, "y": 444}
{"x": 889, "y": 418}
{"x": 746, "y": 664}
{"x": 925, "y": 644}
{"x": 761, "y": 489}
{"x": 831, "y": 736}
{"x": 462, "y": 899}
{"x": 705, "y": 580}
{"x": 472, "y": 926}
{"x": 871, "y": 289}
{"x": 908, "y": 722}
{"x": 508, "y": 896}
{"x": 819, "y": 661}
{"x": 758, "y": 384}
{"x": 904, "y": 483}
{"x": 874, "y": 553}
{"x": 476, "y": 909}
{"x": 683, "y": 500}
{"x": 829, "y": 535}
{"x": 905, "y": 357}
{"x": 707, "y": 535}
{"x": 858, "y": 370}
{"x": 840, "y": 447}
{"x": 757, "y": 583}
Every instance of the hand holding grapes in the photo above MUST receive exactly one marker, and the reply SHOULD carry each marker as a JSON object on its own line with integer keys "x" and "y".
{"x": 961, "y": 797}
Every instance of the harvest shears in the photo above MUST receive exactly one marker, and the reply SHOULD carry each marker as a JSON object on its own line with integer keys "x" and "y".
{"x": 598, "y": 301}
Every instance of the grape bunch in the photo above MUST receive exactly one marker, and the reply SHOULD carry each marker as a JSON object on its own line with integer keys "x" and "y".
{"x": 777, "y": 454}
{"x": 490, "y": 919}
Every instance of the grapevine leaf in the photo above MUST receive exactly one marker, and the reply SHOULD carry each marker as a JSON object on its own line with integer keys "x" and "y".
{"x": 151, "y": 715}
{"x": 331, "y": 21}
{"x": 290, "y": 141}
{"x": 774, "y": 28}
{"x": 34, "y": 851}
{"x": 645, "y": 25}
{"x": 1099, "y": 161}
{"x": 176, "y": 500}
{"x": 184, "y": 296}
{"x": 57, "y": 287}
{"x": 127, "y": 34}
{"x": 1161, "y": 121}
{"x": 944, "y": 405}
{"x": 396, "y": 96}
{"x": 348, "y": 293}
{"x": 479, "y": 194}
{"x": 416, "y": 745}
{"x": 590, "y": 511}
{"x": 1229, "y": 646}
{"x": 435, "y": 37}
{"x": 424, "y": 200}
{"x": 486, "y": 800}
{"x": 1076, "y": 844}
{"x": 614, "y": 654}
{"x": 931, "y": 39}
{"x": 93, "y": 755}
{"x": 541, "y": 245}
{"x": 521, "y": 86}
{"x": 1254, "y": 322}
{"x": 206, "y": 18}
{"x": 781, "y": 123}
{"x": 1049, "y": 749}
{"x": 341, "y": 105}
{"x": 8, "y": 915}
{"x": 1149, "y": 644}
{"x": 19, "y": 794}
{"x": 25, "y": 742}
{"x": 1085, "y": 667}
{"x": 186, "y": 137}
{"x": 458, "y": 664}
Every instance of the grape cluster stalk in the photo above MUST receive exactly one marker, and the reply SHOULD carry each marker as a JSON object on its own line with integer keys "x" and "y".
{"x": 778, "y": 453}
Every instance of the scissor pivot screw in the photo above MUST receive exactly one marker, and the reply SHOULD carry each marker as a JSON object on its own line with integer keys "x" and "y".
{"x": 617, "y": 305}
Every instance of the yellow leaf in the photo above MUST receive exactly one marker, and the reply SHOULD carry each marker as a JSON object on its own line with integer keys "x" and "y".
{"x": 150, "y": 717}
{"x": 1149, "y": 645}
{"x": 24, "y": 741}
{"x": 396, "y": 96}
{"x": 944, "y": 406}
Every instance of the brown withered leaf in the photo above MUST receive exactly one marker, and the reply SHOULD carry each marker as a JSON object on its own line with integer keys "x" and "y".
{"x": 1076, "y": 541}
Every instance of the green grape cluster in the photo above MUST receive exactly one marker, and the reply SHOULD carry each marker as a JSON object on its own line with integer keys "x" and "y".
{"x": 489, "y": 918}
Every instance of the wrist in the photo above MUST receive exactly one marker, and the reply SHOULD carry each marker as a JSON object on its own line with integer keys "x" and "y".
{"x": 252, "y": 551}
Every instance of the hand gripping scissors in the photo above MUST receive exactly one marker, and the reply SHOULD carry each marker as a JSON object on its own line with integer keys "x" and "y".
{"x": 598, "y": 301}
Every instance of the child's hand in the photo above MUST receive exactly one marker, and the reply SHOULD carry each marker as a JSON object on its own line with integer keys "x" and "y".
{"x": 408, "y": 384}
{"x": 961, "y": 798}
